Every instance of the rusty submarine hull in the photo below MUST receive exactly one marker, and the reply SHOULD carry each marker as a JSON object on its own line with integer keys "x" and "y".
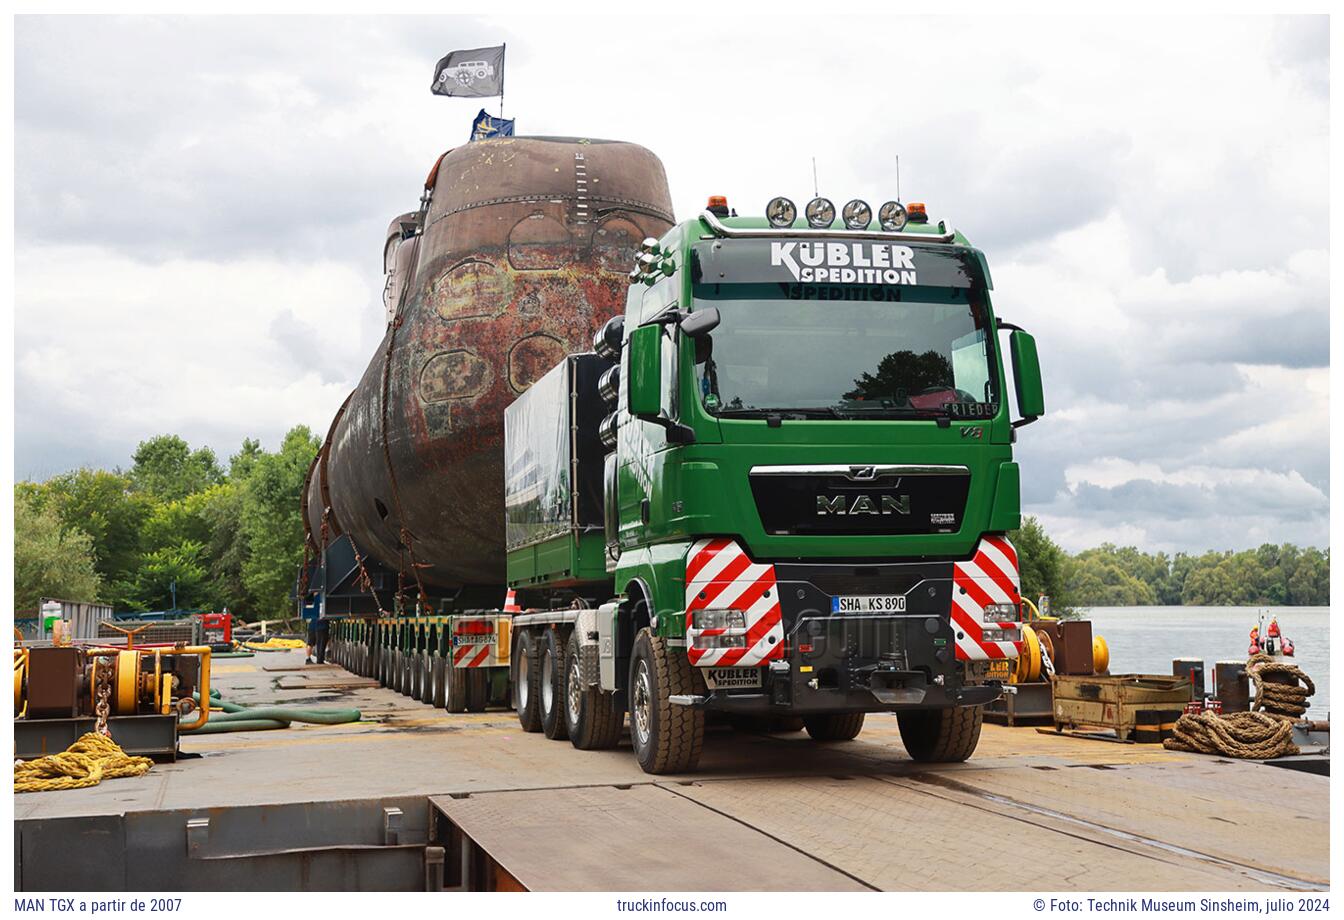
{"x": 518, "y": 254}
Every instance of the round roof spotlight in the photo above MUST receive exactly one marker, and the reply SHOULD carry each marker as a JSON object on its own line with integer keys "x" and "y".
{"x": 649, "y": 245}
{"x": 820, "y": 213}
{"x": 648, "y": 262}
{"x": 857, "y": 215}
{"x": 781, "y": 212}
{"x": 892, "y": 216}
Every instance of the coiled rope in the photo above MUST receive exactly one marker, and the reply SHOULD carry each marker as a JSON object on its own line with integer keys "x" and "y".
{"x": 89, "y": 761}
{"x": 1263, "y": 733}
{"x": 1251, "y": 735}
{"x": 1277, "y": 689}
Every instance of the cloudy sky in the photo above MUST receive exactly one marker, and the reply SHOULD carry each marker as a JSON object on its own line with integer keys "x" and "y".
{"x": 200, "y": 206}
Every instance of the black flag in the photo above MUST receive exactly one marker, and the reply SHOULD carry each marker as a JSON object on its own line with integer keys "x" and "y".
{"x": 477, "y": 72}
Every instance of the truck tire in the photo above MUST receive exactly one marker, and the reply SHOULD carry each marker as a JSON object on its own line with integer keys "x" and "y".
{"x": 834, "y": 726}
{"x": 525, "y": 683}
{"x": 454, "y": 689}
{"x": 478, "y": 689}
{"x": 418, "y": 676}
{"x": 436, "y": 679}
{"x": 592, "y": 717}
{"x": 552, "y": 686}
{"x": 667, "y": 738}
{"x": 941, "y": 735}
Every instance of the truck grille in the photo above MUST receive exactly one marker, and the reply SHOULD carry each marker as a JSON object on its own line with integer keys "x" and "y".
{"x": 859, "y": 500}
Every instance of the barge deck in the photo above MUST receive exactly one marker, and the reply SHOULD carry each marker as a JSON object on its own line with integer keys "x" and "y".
{"x": 415, "y": 798}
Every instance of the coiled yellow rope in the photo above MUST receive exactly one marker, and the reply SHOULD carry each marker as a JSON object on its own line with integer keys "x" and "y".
{"x": 89, "y": 761}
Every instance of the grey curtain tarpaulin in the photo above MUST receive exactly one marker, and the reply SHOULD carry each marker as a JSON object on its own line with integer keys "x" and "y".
{"x": 474, "y": 72}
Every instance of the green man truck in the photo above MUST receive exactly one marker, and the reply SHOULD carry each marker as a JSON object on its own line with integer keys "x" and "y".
{"x": 778, "y": 488}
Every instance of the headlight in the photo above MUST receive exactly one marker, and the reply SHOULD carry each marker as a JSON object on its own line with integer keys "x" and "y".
{"x": 857, "y": 215}
{"x": 820, "y": 213}
{"x": 781, "y": 212}
{"x": 1012, "y": 634}
{"x": 718, "y": 619}
{"x": 892, "y": 216}
{"x": 1000, "y": 613}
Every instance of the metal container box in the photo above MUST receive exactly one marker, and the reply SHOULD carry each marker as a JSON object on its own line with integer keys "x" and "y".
{"x": 1114, "y": 702}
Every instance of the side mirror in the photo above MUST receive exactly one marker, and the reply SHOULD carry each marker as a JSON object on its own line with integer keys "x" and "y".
{"x": 643, "y": 391}
{"x": 701, "y": 323}
{"x": 1027, "y": 377}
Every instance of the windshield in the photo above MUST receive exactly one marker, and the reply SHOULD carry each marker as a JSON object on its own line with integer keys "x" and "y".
{"x": 840, "y": 351}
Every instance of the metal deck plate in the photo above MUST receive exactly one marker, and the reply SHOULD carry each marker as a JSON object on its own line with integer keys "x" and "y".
{"x": 642, "y": 837}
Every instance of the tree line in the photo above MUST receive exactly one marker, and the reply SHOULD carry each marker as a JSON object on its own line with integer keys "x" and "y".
{"x": 176, "y": 525}
{"x": 1125, "y": 576}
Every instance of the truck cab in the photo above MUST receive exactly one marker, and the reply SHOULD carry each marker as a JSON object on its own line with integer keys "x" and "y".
{"x": 808, "y": 486}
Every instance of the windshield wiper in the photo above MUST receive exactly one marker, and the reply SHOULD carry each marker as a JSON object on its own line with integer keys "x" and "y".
{"x": 803, "y": 412}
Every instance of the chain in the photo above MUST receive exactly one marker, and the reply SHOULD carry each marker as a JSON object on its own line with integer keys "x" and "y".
{"x": 103, "y": 689}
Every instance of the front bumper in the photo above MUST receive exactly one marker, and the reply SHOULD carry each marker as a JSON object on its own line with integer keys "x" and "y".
{"x": 831, "y": 662}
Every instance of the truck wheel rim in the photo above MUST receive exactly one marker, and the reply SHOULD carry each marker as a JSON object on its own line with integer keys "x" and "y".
{"x": 643, "y": 695}
{"x": 547, "y": 679}
{"x": 524, "y": 685}
{"x": 573, "y": 691}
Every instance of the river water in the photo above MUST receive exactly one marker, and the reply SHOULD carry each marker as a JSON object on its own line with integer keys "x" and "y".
{"x": 1144, "y": 640}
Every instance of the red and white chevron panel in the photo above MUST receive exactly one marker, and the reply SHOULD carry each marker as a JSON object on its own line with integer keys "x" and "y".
{"x": 474, "y": 642}
{"x": 721, "y": 576}
{"x": 990, "y": 577}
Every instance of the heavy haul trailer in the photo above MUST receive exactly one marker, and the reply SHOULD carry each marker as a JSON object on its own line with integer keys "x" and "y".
{"x": 779, "y": 488}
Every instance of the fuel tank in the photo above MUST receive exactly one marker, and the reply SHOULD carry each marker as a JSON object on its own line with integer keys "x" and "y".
{"x": 519, "y": 253}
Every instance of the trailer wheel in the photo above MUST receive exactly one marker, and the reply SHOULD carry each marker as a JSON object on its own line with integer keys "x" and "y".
{"x": 833, "y": 726}
{"x": 525, "y": 683}
{"x": 592, "y": 717}
{"x": 478, "y": 689}
{"x": 418, "y": 676}
{"x": 667, "y": 738}
{"x": 436, "y": 679}
{"x": 551, "y": 686}
{"x": 941, "y": 735}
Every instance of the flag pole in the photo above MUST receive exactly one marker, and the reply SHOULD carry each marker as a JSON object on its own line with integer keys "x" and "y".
{"x": 502, "y": 49}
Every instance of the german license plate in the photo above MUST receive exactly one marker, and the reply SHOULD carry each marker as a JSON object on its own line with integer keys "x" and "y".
{"x": 998, "y": 669}
{"x": 474, "y": 638}
{"x": 868, "y": 603}
{"x": 733, "y": 678}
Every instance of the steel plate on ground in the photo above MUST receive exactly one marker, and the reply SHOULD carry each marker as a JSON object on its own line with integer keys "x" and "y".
{"x": 635, "y": 839}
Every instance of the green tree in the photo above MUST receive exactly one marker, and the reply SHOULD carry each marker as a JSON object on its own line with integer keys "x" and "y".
{"x": 1100, "y": 578}
{"x": 241, "y": 463}
{"x": 167, "y": 467}
{"x": 1042, "y": 566}
{"x": 181, "y": 569}
{"x": 271, "y": 522}
{"x": 103, "y": 505}
{"x": 50, "y": 559}
{"x": 227, "y": 548}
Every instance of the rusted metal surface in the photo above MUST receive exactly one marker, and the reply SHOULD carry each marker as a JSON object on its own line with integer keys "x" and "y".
{"x": 523, "y": 255}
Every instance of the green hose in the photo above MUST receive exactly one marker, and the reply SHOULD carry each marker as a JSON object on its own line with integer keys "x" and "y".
{"x": 248, "y": 718}
{"x": 218, "y": 655}
{"x": 217, "y": 727}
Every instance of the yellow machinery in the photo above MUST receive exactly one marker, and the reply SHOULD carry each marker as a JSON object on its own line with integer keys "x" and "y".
{"x": 140, "y": 697}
